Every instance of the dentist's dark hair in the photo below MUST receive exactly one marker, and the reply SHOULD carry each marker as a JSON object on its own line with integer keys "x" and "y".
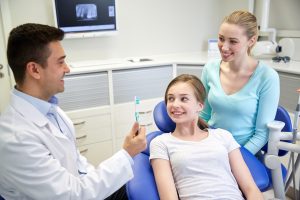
{"x": 199, "y": 91}
{"x": 29, "y": 43}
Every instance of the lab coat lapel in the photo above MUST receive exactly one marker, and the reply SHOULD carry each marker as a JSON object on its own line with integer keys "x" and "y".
{"x": 67, "y": 120}
{"x": 31, "y": 113}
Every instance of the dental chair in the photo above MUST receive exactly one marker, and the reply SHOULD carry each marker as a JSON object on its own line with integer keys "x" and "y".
{"x": 143, "y": 186}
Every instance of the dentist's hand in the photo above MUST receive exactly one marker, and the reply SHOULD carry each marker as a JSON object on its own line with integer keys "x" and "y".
{"x": 135, "y": 142}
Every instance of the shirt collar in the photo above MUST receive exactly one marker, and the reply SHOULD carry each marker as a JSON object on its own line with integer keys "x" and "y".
{"x": 41, "y": 105}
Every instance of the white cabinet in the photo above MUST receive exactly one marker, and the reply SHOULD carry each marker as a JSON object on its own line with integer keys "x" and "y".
{"x": 93, "y": 133}
{"x": 149, "y": 85}
{"x": 124, "y": 118}
{"x": 86, "y": 101}
{"x": 101, "y": 105}
{"x": 189, "y": 69}
{"x": 85, "y": 90}
{"x": 289, "y": 83}
{"x": 146, "y": 83}
{"x": 97, "y": 152}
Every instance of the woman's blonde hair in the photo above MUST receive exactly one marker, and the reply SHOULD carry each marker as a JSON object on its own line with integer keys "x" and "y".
{"x": 245, "y": 20}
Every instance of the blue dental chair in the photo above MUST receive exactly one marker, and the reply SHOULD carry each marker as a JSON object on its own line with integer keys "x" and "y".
{"x": 143, "y": 186}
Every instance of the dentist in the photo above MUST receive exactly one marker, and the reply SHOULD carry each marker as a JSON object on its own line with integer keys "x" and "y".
{"x": 39, "y": 159}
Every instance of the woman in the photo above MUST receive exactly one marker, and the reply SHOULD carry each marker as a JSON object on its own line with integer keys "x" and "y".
{"x": 243, "y": 93}
{"x": 194, "y": 162}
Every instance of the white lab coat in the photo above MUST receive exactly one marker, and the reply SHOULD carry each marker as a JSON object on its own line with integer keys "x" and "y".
{"x": 37, "y": 161}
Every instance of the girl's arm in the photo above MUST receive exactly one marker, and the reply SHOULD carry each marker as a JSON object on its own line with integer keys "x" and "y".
{"x": 243, "y": 176}
{"x": 164, "y": 179}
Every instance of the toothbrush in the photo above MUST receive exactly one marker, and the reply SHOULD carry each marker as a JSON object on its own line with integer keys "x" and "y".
{"x": 136, "y": 108}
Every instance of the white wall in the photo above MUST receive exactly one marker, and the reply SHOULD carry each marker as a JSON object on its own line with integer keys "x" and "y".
{"x": 154, "y": 27}
{"x": 284, "y": 14}
{"x": 145, "y": 27}
{"x": 4, "y": 77}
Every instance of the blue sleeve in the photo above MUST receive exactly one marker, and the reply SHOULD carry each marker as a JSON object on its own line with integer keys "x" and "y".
{"x": 267, "y": 107}
{"x": 205, "y": 114}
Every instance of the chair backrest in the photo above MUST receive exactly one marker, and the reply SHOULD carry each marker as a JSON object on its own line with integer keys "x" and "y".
{"x": 162, "y": 118}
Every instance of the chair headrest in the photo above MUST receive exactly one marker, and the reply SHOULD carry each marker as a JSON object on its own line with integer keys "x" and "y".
{"x": 162, "y": 119}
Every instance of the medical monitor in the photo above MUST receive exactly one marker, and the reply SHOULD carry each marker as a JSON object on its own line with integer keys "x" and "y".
{"x": 85, "y": 18}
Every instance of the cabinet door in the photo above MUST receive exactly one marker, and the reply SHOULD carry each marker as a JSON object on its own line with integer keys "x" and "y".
{"x": 289, "y": 83}
{"x": 149, "y": 84}
{"x": 124, "y": 118}
{"x": 98, "y": 152}
{"x": 92, "y": 125}
{"x": 145, "y": 83}
{"x": 93, "y": 133}
{"x": 189, "y": 69}
{"x": 85, "y": 90}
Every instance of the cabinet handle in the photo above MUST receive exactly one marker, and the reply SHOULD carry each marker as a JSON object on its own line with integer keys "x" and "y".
{"x": 78, "y": 123}
{"x": 145, "y": 112}
{"x": 83, "y": 150}
{"x": 149, "y": 124}
{"x": 81, "y": 136}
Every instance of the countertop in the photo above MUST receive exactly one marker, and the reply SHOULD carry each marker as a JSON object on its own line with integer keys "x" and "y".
{"x": 193, "y": 58}
{"x": 292, "y": 67}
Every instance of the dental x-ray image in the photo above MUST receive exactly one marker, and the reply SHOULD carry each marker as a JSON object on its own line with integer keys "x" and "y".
{"x": 86, "y": 12}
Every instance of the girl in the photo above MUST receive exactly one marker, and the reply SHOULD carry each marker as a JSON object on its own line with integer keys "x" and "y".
{"x": 194, "y": 161}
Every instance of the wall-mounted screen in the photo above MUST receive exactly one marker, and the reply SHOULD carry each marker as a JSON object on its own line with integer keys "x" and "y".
{"x": 85, "y": 18}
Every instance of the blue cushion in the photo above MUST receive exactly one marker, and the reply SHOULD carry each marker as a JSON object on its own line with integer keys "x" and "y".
{"x": 142, "y": 186}
{"x": 257, "y": 169}
{"x": 162, "y": 119}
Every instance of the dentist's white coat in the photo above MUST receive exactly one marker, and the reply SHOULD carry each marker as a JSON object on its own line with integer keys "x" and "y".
{"x": 38, "y": 162}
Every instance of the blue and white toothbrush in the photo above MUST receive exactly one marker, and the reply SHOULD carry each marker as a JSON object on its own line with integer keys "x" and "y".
{"x": 136, "y": 108}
